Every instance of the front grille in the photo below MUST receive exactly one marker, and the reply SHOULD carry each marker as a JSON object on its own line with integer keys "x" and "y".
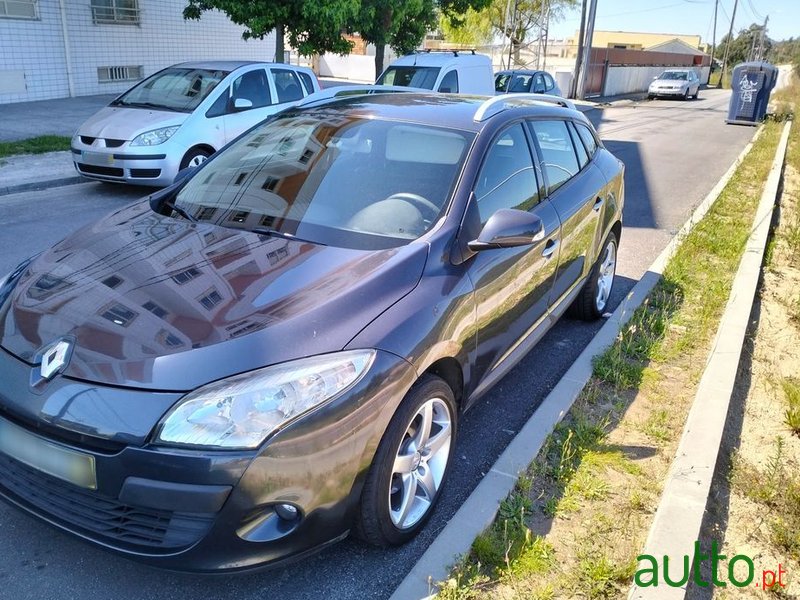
{"x": 95, "y": 170}
{"x": 101, "y": 517}
{"x": 87, "y": 140}
{"x": 146, "y": 173}
{"x": 114, "y": 143}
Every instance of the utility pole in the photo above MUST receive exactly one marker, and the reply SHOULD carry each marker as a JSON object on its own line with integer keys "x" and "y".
{"x": 728, "y": 45}
{"x": 573, "y": 89}
{"x": 714, "y": 33}
{"x": 761, "y": 48}
{"x": 587, "y": 49}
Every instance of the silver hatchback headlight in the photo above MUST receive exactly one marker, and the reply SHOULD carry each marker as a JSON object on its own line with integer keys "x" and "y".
{"x": 155, "y": 137}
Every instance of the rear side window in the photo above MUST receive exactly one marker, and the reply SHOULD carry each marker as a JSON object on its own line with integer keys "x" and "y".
{"x": 588, "y": 138}
{"x": 287, "y": 86}
{"x": 307, "y": 82}
{"x": 583, "y": 157}
{"x": 253, "y": 86}
{"x": 558, "y": 156}
{"x": 507, "y": 179}
{"x": 549, "y": 84}
{"x": 449, "y": 83}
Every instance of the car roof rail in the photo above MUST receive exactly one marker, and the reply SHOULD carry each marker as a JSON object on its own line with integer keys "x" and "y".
{"x": 497, "y": 104}
{"x": 343, "y": 91}
{"x": 453, "y": 51}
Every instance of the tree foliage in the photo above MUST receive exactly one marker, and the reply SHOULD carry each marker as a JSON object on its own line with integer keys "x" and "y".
{"x": 312, "y": 26}
{"x": 742, "y": 44}
{"x": 402, "y": 24}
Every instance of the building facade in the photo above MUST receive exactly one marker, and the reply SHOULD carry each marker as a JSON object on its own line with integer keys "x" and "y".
{"x": 62, "y": 48}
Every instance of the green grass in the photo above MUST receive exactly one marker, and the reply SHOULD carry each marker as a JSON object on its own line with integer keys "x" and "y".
{"x": 791, "y": 389}
{"x": 777, "y": 489}
{"x": 37, "y": 145}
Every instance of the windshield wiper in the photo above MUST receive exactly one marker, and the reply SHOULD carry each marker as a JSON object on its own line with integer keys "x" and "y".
{"x": 181, "y": 211}
{"x": 149, "y": 105}
{"x": 283, "y": 235}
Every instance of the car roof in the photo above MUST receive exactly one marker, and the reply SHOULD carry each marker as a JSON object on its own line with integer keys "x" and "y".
{"x": 221, "y": 65}
{"x": 522, "y": 71}
{"x": 442, "y": 58}
{"x": 455, "y": 111}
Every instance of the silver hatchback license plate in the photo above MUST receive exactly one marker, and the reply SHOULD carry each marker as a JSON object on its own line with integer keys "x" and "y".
{"x": 75, "y": 467}
{"x": 97, "y": 158}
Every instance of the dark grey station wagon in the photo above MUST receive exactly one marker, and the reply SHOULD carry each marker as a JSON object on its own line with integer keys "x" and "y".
{"x": 275, "y": 351}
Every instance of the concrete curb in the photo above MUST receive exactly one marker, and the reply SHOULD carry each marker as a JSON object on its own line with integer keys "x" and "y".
{"x": 480, "y": 509}
{"x": 41, "y": 185}
{"x": 679, "y": 517}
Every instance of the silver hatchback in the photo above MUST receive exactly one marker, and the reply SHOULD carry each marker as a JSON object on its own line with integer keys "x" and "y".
{"x": 181, "y": 115}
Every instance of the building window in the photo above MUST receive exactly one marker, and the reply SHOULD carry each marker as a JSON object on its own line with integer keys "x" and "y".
{"x": 210, "y": 299}
{"x": 118, "y": 314}
{"x": 112, "y": 281}
{"x": 18, "y": 9}
{"x": 155, "y": 309}
{"x": 115, "y": 12}
{"x": 186, "y": 276}
{"x": 114, "y": 74}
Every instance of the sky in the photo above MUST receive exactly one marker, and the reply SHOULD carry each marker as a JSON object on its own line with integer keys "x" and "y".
{"x": 686, "y": 17}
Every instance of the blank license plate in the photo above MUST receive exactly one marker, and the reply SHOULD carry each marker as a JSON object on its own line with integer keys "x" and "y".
{"x": 97, "y": 158}
{"x": 71, "y": 466}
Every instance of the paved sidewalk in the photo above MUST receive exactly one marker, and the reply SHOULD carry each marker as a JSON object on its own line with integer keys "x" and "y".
{"x": 36, "y": 171}
{"x": 62, "y": 116}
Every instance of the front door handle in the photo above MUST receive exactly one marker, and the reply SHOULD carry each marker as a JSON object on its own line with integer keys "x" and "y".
{"x": 597, "y": 204}
{"x": 549, "y": 248}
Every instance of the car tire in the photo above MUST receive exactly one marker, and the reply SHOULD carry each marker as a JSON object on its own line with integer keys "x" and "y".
{"x": 650, "y": 96}
{"x": 194, "y": 158}
{"x": 592, "y": 301}
{"x": 685, "y": 95}
{"x": 396, "y": 499}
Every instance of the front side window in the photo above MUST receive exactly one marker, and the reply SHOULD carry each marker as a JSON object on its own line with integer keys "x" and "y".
{"x": 253, "y": 87}
{"x": 18, "y": 9}
{"x": 175, "y": 89}
{"x": 558, "y": 156}
{"x": 418, "y": 77}
{"x": 332, "y": 178}
{"x": 520, "y": 83}
{"x": 507, "y": 178}
{"x": 115, "y": 12}
{"x": 538, "y": 84}
{"x": 548, "y": 82}
{"x": 287, "y": 85}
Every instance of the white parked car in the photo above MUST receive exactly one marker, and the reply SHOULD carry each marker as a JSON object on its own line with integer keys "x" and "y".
{"x": 675, "y": 83}
{"x": 449, "y": 71}
{"x": 181, "y": 115}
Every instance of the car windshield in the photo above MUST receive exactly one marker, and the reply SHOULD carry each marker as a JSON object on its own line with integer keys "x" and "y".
{"x": 677, "y": 75}
{"x": 331, "y": 178}
{"x": 176, "y": 89}
{"x": 418, "y": 77}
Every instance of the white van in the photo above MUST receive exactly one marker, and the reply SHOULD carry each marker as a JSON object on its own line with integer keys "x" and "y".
{"x": 450, "y": 71}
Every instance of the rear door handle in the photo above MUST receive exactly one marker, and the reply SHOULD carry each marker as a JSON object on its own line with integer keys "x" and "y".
{"x": 597, "y": 204}
{"x": 549, "y": 248}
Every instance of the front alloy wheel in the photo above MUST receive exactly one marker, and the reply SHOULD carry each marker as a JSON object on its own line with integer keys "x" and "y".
{"x": 410, "y": 466}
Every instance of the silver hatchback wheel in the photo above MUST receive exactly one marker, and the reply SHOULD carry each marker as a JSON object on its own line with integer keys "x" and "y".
{"x": 197, "y": 160}
{"x": 420, "y": 463}
{"x": 605, "y": 275}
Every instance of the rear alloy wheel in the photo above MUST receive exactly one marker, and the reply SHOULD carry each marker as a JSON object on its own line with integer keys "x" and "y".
{"x": 194, "y": 158}
{"x": 592, "y": 302}
{"x": 410, "y": 466}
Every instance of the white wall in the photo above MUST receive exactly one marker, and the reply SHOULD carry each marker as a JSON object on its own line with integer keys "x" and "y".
{"x": 355, "y": 67}
{"x": 162, "y": 37}
{"x": 631, "y": 80}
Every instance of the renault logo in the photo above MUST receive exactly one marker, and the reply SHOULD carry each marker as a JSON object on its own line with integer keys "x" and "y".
{"x": 55, "y": 358}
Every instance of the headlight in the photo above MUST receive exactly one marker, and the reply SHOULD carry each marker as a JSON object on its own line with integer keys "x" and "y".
{"x": 155, "y": 137}
{"x": 241, "y": 411}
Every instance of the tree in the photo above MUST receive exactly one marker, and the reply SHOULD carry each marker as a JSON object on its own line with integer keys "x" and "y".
{"x": 743, "y": 44}
{"x": 402, "y": 24}
{"x": 514, "y": 20}
{"x": 313, "y": 26}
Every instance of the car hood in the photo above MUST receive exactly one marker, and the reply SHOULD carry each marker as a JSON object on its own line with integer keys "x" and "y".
{"x": 159, "y": 303}
{"x": 121, "y": 123}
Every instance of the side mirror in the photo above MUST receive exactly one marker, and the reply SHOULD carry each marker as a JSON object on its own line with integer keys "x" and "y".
{"x": 655, "y": 77}
{"x": 242, "y": 104}
{"x": 508, "y": 228}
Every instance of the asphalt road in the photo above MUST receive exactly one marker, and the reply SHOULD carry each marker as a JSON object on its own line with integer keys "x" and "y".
{"x": 674, "y": 153}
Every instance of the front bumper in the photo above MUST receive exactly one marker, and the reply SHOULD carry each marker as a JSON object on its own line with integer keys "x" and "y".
{"x": 142, "y": 165}
{"x": 205, "y": 511}
{"x": 662, "y": 92}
